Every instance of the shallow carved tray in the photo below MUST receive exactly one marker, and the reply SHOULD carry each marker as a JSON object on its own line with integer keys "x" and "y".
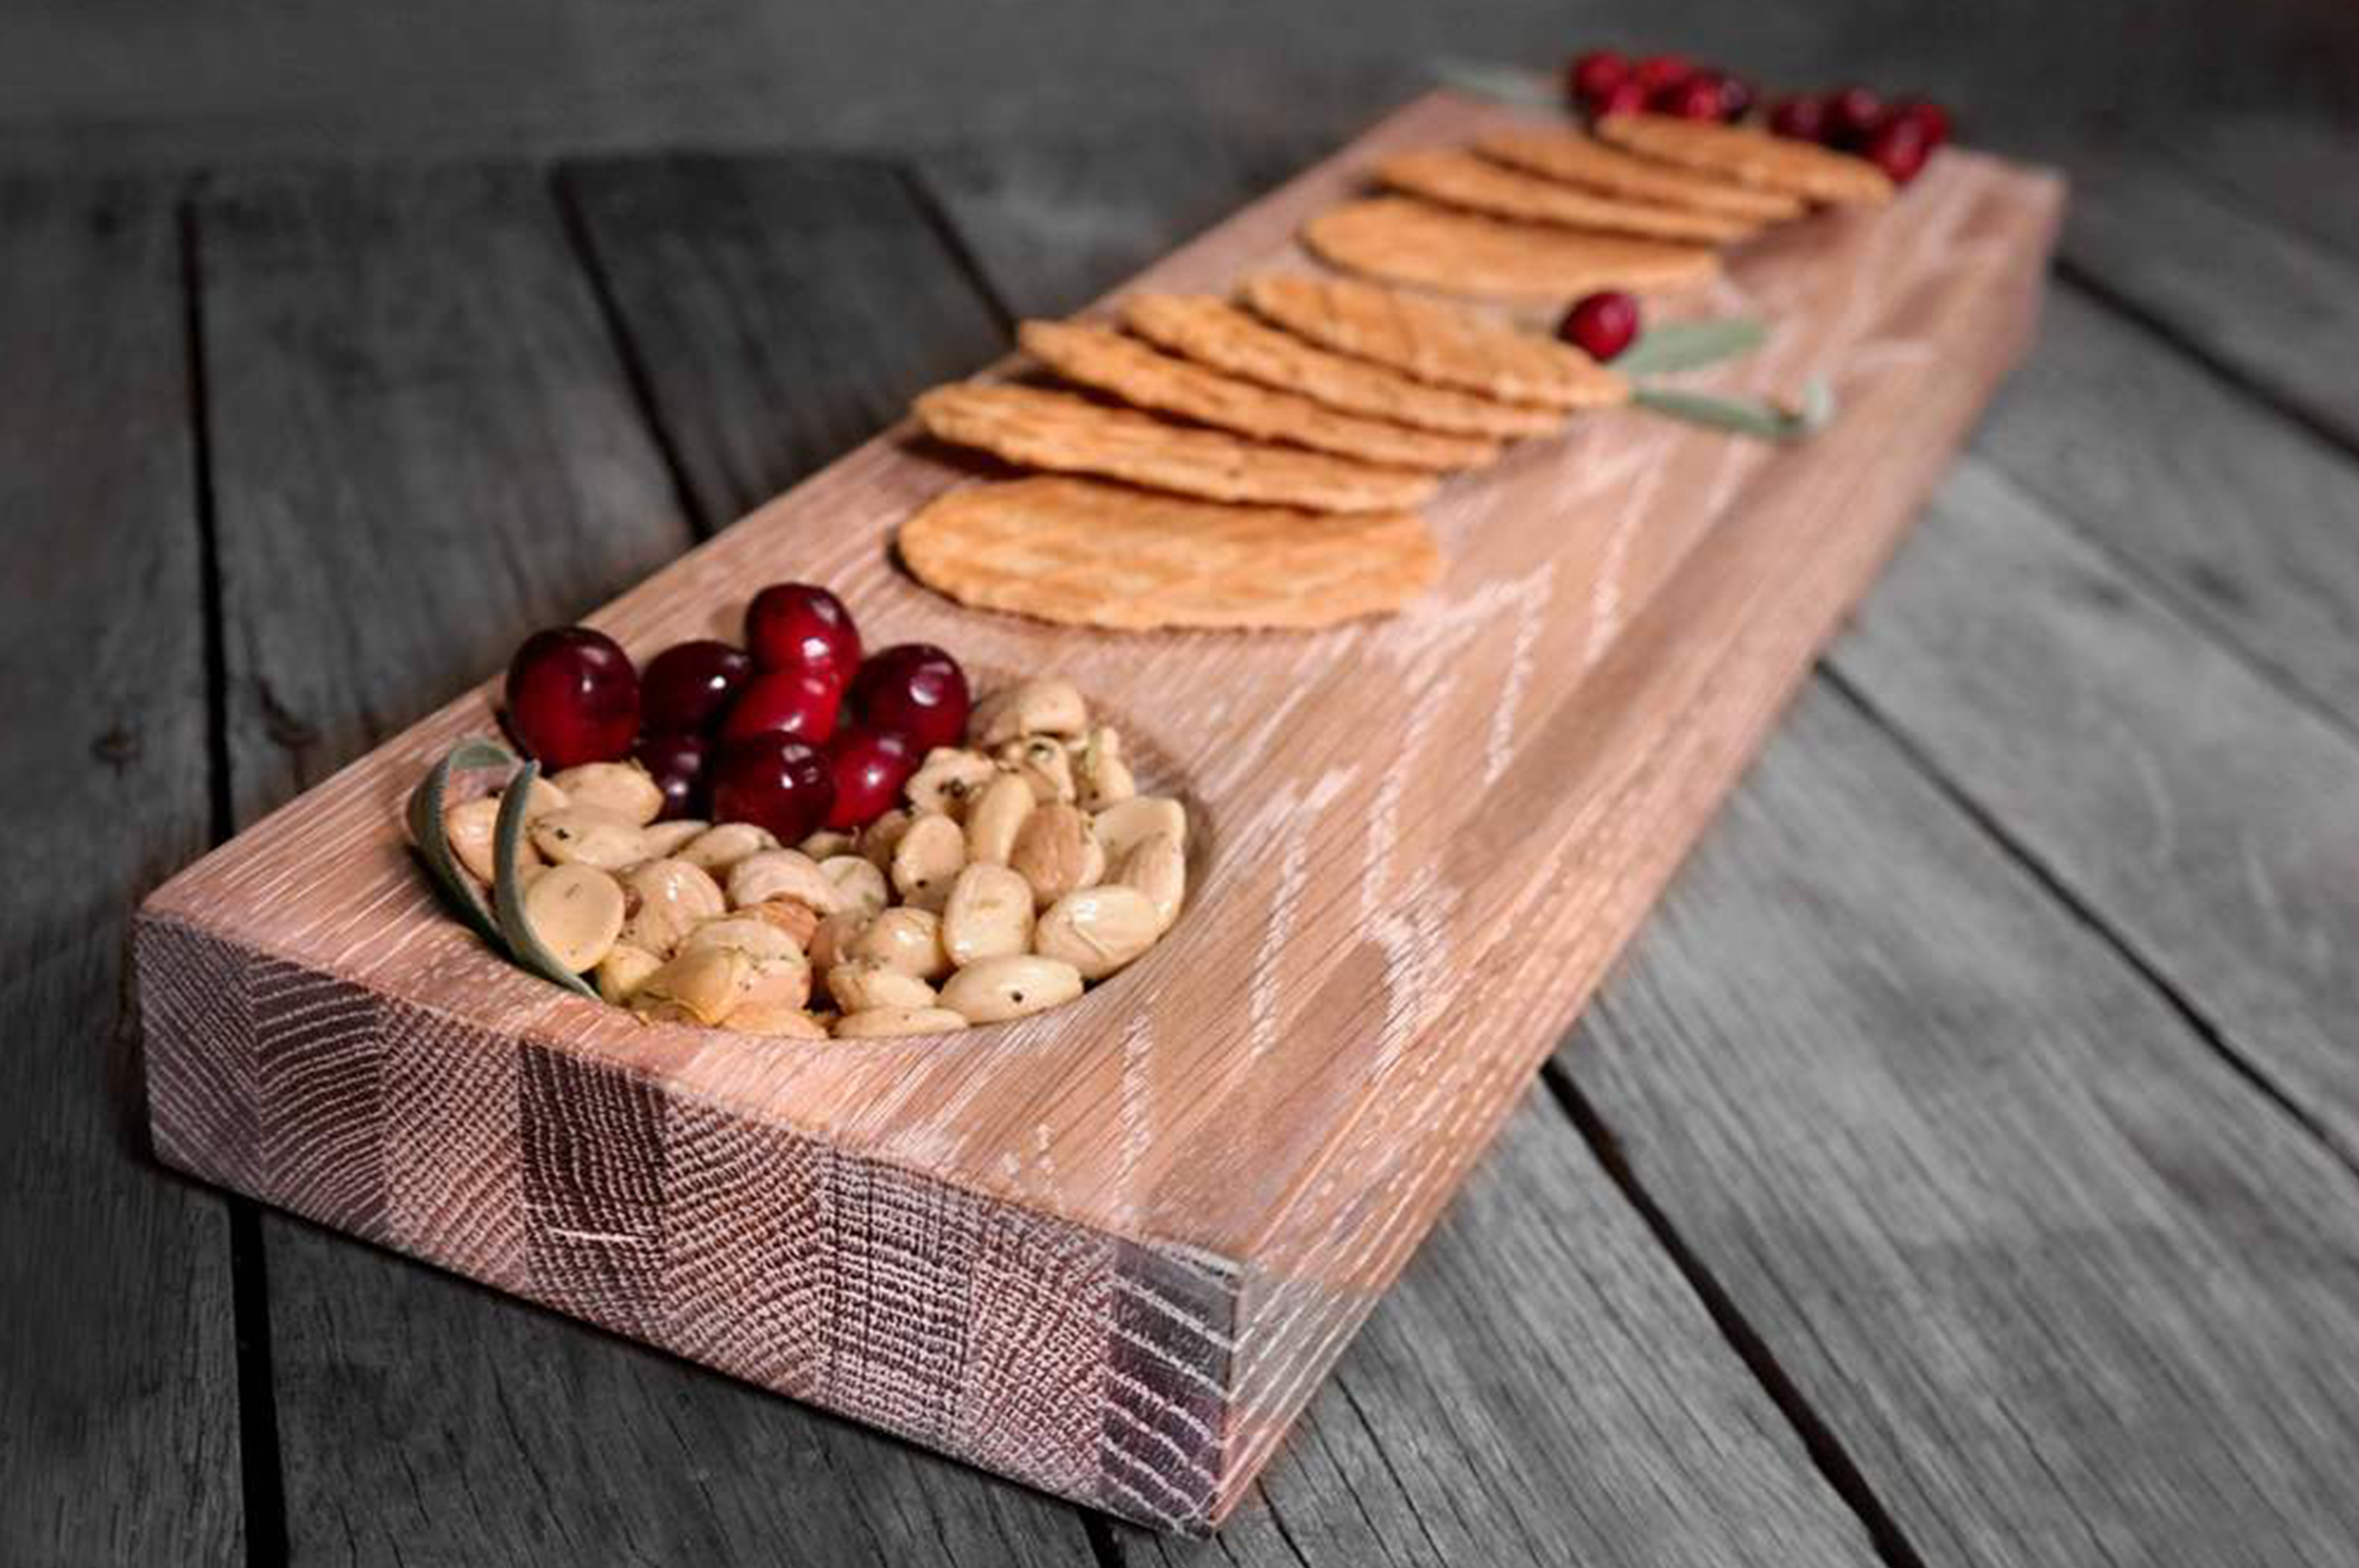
{"x": 1110, "y": 1250}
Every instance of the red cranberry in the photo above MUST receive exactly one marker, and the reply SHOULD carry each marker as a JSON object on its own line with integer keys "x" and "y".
{"x": 798, "y": 624}
{"x": 1898, "y": 148}
{"x": 1802, "y": 117}
{"x": 573, "y": 697}
{"x": 1931, "y": 119}
{"x": 689, "y": 686}
{"x": 680, "y": 762}
{"x": 1853, "y": 116}
{"x": 791, "y": 701}
{"x": 1693, "y": 98}
{"x": 1657, "y": 71}
{"x": 1627, "y": 99}
{"x": 870, "y": 766}
{"x": 1601, "y": 325}
{"x": 1591, "y": 76}
{"x": 774, "y": 782}
{"x": 1735, "y": 98}
{"x": 913, "y": 688}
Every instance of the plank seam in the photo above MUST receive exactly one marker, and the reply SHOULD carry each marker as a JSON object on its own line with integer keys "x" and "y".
{"x": 1820, "y": 1442}
{"x": 2315, "y": 422}
{"x": 263, "y": 1485}
{"x": 1097, "y": 1529}
{"x": 970, "y": 266}
{"x": 2053, "y": 883}
{"x": 636, "y": 375}
{"x": 2168, "y": 599}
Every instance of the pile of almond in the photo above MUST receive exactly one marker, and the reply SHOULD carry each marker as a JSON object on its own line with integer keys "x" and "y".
{"x": 1024, "y": 867}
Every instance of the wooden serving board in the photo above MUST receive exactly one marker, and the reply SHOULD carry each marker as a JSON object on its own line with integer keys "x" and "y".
{"x": 1110, "y": 1250}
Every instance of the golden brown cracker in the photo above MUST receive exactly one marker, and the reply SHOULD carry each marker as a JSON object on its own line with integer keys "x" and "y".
{"x": 1435, "y": 341}
{"x": 1573, "y": 158}
{"x": 1214, "y": 332}
{"x": 1751, "y": 157}
{"x": 1085, "y": 552}
{"x": 1058, "y": 431}
{"x": 1406, "y": 241}
{"x": 1105, "y": 360}
{"x": 1460, "y": 180}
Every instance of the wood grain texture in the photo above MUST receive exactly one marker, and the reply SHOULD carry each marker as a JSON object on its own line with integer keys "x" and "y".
{"x": 2241, "y": 519}
{"x": 425, "y": 442}
{"x": 2197, "y": 811}
{"x": 1248, "y": 1134}
{"x": 2065, "y": 1289}
{"x": 119, "y": 1378}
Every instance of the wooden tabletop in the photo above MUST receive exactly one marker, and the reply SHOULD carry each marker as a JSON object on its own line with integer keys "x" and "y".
{"x": 1962, "y": 1167}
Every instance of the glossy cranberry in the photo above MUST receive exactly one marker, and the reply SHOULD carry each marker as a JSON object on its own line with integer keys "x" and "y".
{"x": 680, "y": 762}
{"x": 1591, "y": 76}
{"x": 1898, "y": 148}
{"x": 798, "y": 624}
{"x": 1853, "y": 116}
{"x": 1802, "y": 117}
{"x": 1931, "y": 119}
{"x": 798, "y": 701}
{"x": 914, "y": 689}
{"x": 1601, "y": 325}
{"x": 689, "y": 686}
{"x": 1693, "y": 98}
{"x": 1629, "y": 98}
{"x": 870, "y": 766}
{"x": 573, "y": 697}
{"x": 774, "y": 782}
{"x": 1657, "y": 71}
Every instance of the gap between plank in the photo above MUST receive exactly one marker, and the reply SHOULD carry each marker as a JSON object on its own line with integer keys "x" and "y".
{"x": 2316, "y": 422}
{"x": 2171, "y": 599}
{"x": 953, "y": 242}
{"x": 2197, "y": 1021}
{"x": 1834, "y": 1462}
{"x": 626, "y": 349}
{"x": 2168, "y": 599}
{"x": 1105, "y": 1545}
{"x": 263, "y": 1488}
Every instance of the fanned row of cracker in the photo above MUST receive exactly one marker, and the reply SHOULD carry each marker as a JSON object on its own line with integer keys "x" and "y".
{"x": 1257, "y": 462}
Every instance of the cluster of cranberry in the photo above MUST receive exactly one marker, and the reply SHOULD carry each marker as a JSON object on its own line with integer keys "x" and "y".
{"x": 793, "y": 733}
{"x": 1603, "y": 83}
{"x": 1896, "y": 137}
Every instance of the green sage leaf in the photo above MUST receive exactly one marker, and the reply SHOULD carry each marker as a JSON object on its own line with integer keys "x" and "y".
{"x": 507, "y": 887}
{"x": 425, "y": 830}
{"x": 1691, "y": 345}
{"x": 1752, "y": 416}
{"x": 1506, "y": 83}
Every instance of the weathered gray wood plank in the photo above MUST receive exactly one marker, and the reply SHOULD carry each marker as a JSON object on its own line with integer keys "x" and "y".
{"x": 2273, "y": 307}
{"x": 816, "y": 292}
{"x": 119, "y": 1378}
{"x": 2285, "y": 161}
{"x": 2065, "y": 1289}
{"x": 1543, "y": 1385}
{"x": 2242, "y": 518}
{"x": 1540, "y": 1387}
{"x": 1053, "y": 224}
{"x": 2200, "y": 813}
{"x": 426, "y": 448}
